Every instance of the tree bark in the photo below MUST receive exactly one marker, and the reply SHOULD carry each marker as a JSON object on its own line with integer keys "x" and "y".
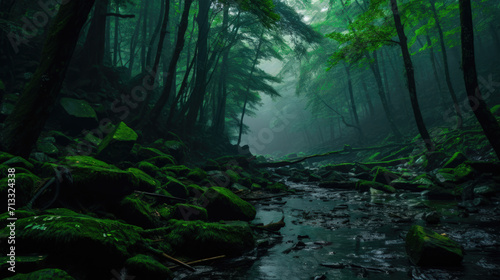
{"x": 133, "y": 44}
{"x": 23, "y": 126}
{"x": 95, "y": 40}
{"x": 446, "y": 67}
{"x": 410, "y": 77}
{"x": 144, "y": 35}
{"x": 115, "y": 42}
{"x": 200, "y": 86}
{"x": 179, "y": 45}
{"x": 159, "y": 26}
{"x": 483, "y": 114}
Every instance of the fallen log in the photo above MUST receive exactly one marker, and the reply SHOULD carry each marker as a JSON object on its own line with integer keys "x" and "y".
{"x": 347, "y": 149}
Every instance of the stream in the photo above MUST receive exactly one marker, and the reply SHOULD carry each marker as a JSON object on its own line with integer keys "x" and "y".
{"x": 339, "y": 234}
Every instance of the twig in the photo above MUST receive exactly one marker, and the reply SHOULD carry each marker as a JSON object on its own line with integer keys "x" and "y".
{"x": 161, "y": 195}
{"x": 199, "y": 261}
{"x": 178, "y": 262}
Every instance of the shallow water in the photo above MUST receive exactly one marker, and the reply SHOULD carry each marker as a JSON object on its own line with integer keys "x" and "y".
{"x": 364, "y": 233}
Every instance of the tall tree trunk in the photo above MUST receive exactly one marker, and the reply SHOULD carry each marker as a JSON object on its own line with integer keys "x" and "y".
{"x": 95, "y": 40}
{"x": 368, "y": 98}
{"x": 386, "y": 79}
{"x": 410, "y": 77}
{"x": 133, "y": 44}
{"x": 387, "y": 110}
{"x": 351, "y": 95}
{"x": 247, "y": 91}
{"x": 179, "y": 45}
{"x": 23, "y": 126}
{"x": 107, "y": 42}
{"x": 115, "y": 42}
{"x": 446, "y": 67}
{"x": 488, "y": 122}
{"x": 200, "y": 86}
{"x": 156, "y": 31}
{"x": 220, "y": 111}
{"x": 433, "y": 61}
{"x": 144, "y": 35}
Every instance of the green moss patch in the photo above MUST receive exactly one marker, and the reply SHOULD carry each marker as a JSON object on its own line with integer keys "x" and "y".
{"x": 223, "y": 204}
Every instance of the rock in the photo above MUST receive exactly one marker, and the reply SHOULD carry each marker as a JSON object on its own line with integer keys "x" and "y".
{"x": 46, "y": 146}
{"x": 199, "y": 239}
{"x": 277, "y": 187}
{"x": 48, "y": 273}
{"x": 431, "y": 218}
{"x": 220, "y": 178}
{"x": 179, "y": 170}
{"x": 24, "y": 185}
{"x": 161, "y": 161}
{"x": 457, "y": 159}
{"x": 5, "y": 157}
{"x": 384, "y": 176}
{"x": 195, "y": 191}
{"x": 117, "y": 145}
{"x": 19, "y": 162}
{"x": 134, "y": 211}
{"x": 75, "y": 237}
{"x": 176, "y": 188}
{"x": 487, "y": 190}
{"x": 148, "y": 168}
{"x": 428, "y": 248}
{"x": 297, "y": 177}
{"x": 188, "y": 212}
{"x": 222, "y": 204}
{"x": 233, "y": 175}
{"x": 77, "y": 115}
{"x": 144, "y": 153}
{"x": 237, "y": 187}
{"x": 363, "y": 186}
{"x": 197, "y": 174}
{"x": 145, "y": 267}
{"x": 283, "y": 171}
{"x": 94, "y": 177}
{"x": 175, "y": 148}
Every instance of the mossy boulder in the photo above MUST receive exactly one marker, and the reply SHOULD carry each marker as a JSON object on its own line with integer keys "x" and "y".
{"x": 93, "y": 177}
{"x": 146, "y": 267}
{"x": 383, "y": 175}
{"x": 457, "y": 159}
{"x": 233, "y": 176}
{"x": 48, "y": 273}
{"x": 24, "y": 185}
{"x": 364, "y": 185}
{"x": 134, "y": 211}
{"x": 175, "y": 148}
{"x": 188, "y": 212}
{"x": 161, "y": 161}
{"x": 277, "y": 187}
{"x": 19, "y": 162}
{"x": 148, "y": 168}
{"x": 197, "y": 174}
{"x": 223, "y": 204}
{"x": 175, "y": 187}
{"x": 199, "y": 239}
{"x": 428, "y": 248}
{"x": 75, "y": 237}
{"x": 5, "y": 157}
{"x": 179, "y": 170}
{"x": 116, "y": 146}
{"x": 77, "y": 114}
{"x": 144, "y": 153}
{"x": 195, "y": 191}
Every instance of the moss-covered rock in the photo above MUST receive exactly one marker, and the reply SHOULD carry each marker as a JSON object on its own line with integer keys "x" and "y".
{"x": 175, "y": 187}
{"x": 5, "y": 157}
{"x": 277, "y": 187}
{"x": 144, "y": 153}
{"x": 223, "y": 204}
{"x": 197, "y": 174}
{"x": 116, "y": 146}
{"x": 195, "y": 191}
{"x": 383, "y": 175}
{"x": 179, "y": 170}
{"x": 48, "y": 273}
{"x": 134, "y": 211}
{"x": 93, "y": 177}
{"x": 175, "y": 148}
{"x": 75, "y": 237}
{"x": 428, "y": 248}
{"x": 19, "y": 162}
{"x": 77, "y": 115}
{"x": 457, "y": 159}
{"x": 233, "y": 176}
{"x": 146, "y": 267}
{"x": 199, "y": 239}
{"x": 188, "y": 212}
{"x": 161, "y": 161}
{"x": 24, "y": 185}
{"x": 148, "y": 168}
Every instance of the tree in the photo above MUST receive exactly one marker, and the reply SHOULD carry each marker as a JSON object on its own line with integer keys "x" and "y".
{"x": 410, "y": 77}
{"x": 23, "y": 126}
{"x": 488, "y": 122}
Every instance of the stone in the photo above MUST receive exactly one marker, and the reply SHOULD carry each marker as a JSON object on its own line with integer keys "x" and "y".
{"x": 77, "y": 115}
{"x": 188, "y": 212}
{"x": 48, "y": 273}
{"x": 117, "y": 145}
{"x": 223, "y": 204}
{"x": 457, "y": 159}
{"x": 428, "y": 248}
{"x": 145, "y": 267}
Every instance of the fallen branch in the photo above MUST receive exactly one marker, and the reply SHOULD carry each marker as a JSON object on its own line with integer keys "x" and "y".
{"x": 199, "y": 261}
{"x": 178, "y": 262}
{"x": 161, "y": 195}
{"x": 346, "y": 150}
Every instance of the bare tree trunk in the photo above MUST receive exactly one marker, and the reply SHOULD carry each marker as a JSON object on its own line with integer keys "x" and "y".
{"x": 410, "y": 78}
{"x": 483, "y": 114}
{"x": 446, "y": 67}
{"x": 23, "y": 126}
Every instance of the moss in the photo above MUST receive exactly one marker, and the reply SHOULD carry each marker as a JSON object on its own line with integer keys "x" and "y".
{"x": 457, "y": 159}
{"x": 363, "y": 185}
{"x": 146, "y": 267}
{"x": 197, "y": 174}
{"x": 189, "y": 212}
{"x": 495, "y": 110}
{"x": 148, "y": 168}
{"x": 223, "y": 204}
{"x": 161, "y": 161}
{"x": 383, "y": 175}
{"x": 87, "y": 161}
{"x": 78, "y": 108}
{"x": 200, "y": 239}
{"x": 195, "y": 190}
{"x": 54, "y": 234}
{"x": 19, "y": 162}
{"x": 147, "y": 152}
{"x": 48, "y": 273}
{"x": 428, "y": 248}
{"x": 179, "y": 170}
{"x": 136, "y": 212}
{"x": 25, "y": 185}
{"x": 463, "y": 172}
{"x": 5, "y": 156}
{"x": 235, "y": 178}
{"x": 277, "y": 187}
{"x": 117, "y": 145}
{"x": 176, "y": 187}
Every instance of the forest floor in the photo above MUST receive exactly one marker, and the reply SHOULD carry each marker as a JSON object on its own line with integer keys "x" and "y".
{"x": 162, "y": 210}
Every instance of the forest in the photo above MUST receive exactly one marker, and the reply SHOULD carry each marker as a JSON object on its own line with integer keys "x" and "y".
{"x": 250, "y": 139}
